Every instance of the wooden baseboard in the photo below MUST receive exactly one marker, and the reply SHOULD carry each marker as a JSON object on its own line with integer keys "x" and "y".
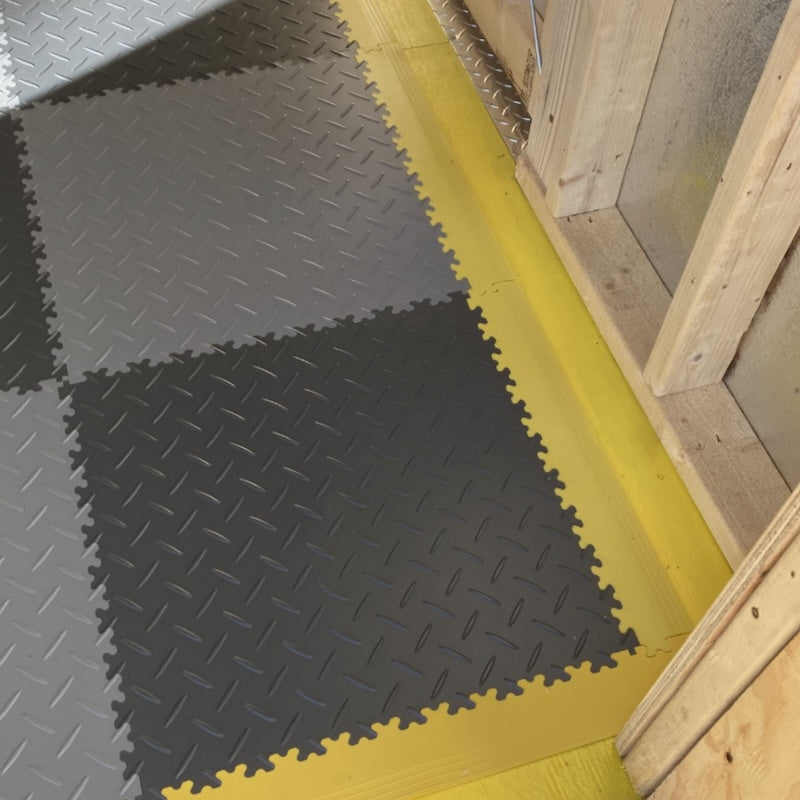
{"x": 724, "y": 465}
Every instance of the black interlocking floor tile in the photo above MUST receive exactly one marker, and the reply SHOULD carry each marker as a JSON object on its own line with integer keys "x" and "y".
{"x": 233, "y": 36}
{"x": 308, "y": 536}
{"x": 26, "y": 357}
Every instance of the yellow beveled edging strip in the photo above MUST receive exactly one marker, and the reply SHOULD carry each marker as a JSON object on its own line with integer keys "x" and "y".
{"x": 658, "y": 555}
{"x": 593, "y": 771}
{"x": 656, "y": 550}
{"x": 454, "y": 748}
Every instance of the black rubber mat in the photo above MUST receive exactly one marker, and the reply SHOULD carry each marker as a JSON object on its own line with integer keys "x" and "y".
{"x": 26, "y": 345}
{"x": 307, "y": 536}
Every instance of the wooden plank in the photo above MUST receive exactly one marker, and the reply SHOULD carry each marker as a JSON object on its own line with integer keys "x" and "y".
{"x": 507, "y": 26}
{"x": 724, "y": 465}
{"x": 752, "y": 220}
{"x": 771, "y": 545}
{"x": 599, "y": 57}
{"x": 751, "y": 752}
{"x": 754, "y": 617}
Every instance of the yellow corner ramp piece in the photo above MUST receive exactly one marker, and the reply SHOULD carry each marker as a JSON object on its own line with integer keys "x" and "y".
{"x": 453, "y": 748}
{"x": 656, "y": 550}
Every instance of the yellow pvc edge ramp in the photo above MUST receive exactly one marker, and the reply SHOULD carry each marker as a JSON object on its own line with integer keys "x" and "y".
{"x": 655, "y": 548}
{"x": 452, "y": 748}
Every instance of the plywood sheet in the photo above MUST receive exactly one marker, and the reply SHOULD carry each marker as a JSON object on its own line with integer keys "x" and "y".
{"x": 710, "y": 63}
{"x": 751, "y": 752}
{"x": 765, "y": 378}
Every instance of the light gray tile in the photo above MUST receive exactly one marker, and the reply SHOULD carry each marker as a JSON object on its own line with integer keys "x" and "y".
{"x": 59, "y": 739}
{"x": 179, "y": 217}
{"x": 55, "y": 42}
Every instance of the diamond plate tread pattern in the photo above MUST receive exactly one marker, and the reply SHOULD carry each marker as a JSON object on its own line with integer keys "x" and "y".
{"x": 7, "y": 91}
{"x": 506, "y": 108}
{"x": 26, "y": 345}
{"x": 62, "y": 49}
{"x": 58, "y": 732}
{"x": 183, "y": 216}
{"x": 306, "y": 536}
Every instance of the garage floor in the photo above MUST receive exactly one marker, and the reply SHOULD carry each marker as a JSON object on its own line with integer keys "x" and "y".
{"x": 275, "y": 415}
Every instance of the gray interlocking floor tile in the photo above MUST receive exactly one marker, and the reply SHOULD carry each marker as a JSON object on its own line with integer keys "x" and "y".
{"x": 8, "y": 94}
{"x": 62, "y": 49}
{"x": 183, "y": 216}
{"x": 306, "y": 536}
{"x": 54, "y": 42}
{"x": 58, "y": 737}
{"x": 26, "y": 343}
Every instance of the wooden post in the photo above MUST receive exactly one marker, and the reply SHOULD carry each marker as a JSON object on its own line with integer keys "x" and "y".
{"x": 723, "y": 463}
{"x": 757, "y": 613}
{"x": 599, "y": 57}
{"x": 752, "y": 220}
